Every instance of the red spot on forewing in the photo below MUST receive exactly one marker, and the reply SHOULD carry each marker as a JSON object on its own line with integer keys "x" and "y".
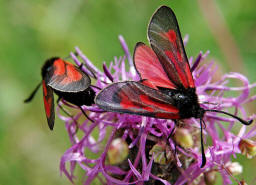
{"x": 126, "y": 103}
{"x": 176, "y": 56}
{"x": 178, "y": 68}
{"x": 59, "y": 67}
{"x": 171, "y": 36}
{"x": 44, "y": 88}
{"x": 189, "y": 76}
{"x": 163, "y": 106}
{"x": 47, "y": 106}
{"x": 73, "y": 74}
{"x": 149, "y": 109}
{"x": 47, "y": 100}
{"x": 167, "y": 116}
{"x": 179, "y": 56}
{"x": 150, "y": 106}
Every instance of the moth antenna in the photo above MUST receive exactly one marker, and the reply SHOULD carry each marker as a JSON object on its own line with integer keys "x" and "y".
{"x": 96, "y": 87}
{"x": 32, "y": 94}
{"x": 233, "y": 116}
{"x": 205, "y": 102}
{"x": 202, "y": 144}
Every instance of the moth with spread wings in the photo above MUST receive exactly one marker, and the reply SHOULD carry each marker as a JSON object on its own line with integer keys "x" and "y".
{"x": 166, "y": 89}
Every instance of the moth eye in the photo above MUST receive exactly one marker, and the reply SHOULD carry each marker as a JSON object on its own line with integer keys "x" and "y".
{"x": 49, "y": 68}
{"x": 180, "y": 96}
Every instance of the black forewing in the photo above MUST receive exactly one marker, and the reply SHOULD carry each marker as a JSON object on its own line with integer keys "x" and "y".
{"x": 135, "y": 98}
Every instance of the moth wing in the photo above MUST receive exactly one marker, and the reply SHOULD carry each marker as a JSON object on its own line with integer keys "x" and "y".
{"x": 149, "y": 67}
{"x": 166, "y": 41}
{"x": 135, "y": 98}
{"x": 67, "y": 77}
{"x": 49, "y": 104}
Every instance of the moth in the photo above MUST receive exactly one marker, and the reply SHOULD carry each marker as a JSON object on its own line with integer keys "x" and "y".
{"x": 166, "y": 89}
{"x": 65, "y": 80}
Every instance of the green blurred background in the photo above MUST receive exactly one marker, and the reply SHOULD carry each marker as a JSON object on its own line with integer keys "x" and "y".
{"x": 34, "y": 30}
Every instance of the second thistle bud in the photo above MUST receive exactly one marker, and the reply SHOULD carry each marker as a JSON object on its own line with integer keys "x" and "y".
{"x": 247, "y": 147}
{"x": 210, "y": 177}
{"x": 118, "y": 151}
{"x": 183, "y": 137}
{"x": 234, "y": 168}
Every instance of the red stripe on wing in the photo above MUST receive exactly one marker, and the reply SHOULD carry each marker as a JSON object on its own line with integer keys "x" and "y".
{"x": 191, "y": 81}
{"x": 171, "y": 36}
{"x": 167, "y": 107}
{"x": 126, "y": 103}
{"x": 167, "y": 116}
{"x": 48, "y": 104}
{"x": 44, "y": 88}
{"x": 187, "y": 77}
{"x": 182, "y": 76}
{"x": 47, "y": 100}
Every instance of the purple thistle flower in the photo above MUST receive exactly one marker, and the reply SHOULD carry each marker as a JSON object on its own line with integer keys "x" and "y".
{"x": 144, "y": 155}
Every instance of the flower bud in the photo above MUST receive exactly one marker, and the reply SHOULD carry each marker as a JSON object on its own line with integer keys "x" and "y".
{"x": 183, "y": 137}
{"x": 247, "y": 147}
{"x": 118, "y": 151}
{"x": 210, "y": 177}
{"x": 242, "y": 182}
{"x": 234, "y": 168}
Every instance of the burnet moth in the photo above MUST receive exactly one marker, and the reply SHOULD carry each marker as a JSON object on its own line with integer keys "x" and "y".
{"x": 68, "y": 82}
{"x": 166, "y": 89}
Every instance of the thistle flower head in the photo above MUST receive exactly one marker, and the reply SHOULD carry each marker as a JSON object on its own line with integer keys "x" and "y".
{"x": 149, "y": 154}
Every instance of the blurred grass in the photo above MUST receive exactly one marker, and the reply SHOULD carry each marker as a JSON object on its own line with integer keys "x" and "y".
{"x": 32, "y": 31}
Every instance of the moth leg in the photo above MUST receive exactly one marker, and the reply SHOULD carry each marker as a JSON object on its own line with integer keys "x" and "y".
{"x": 96, "y": 87}
{"x": 33, "y": 93}
{"x": 64, "y": 110}
{"x": 67, "y": 113}
{"x": 175, "y": 149}
{"x": 171, "y": 134}
{"x": 86, "y": 114}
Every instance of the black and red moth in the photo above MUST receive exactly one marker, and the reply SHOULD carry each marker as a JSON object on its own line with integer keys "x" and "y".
{"x": 166, "y": 89}
{"x": 68, "y": 82}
